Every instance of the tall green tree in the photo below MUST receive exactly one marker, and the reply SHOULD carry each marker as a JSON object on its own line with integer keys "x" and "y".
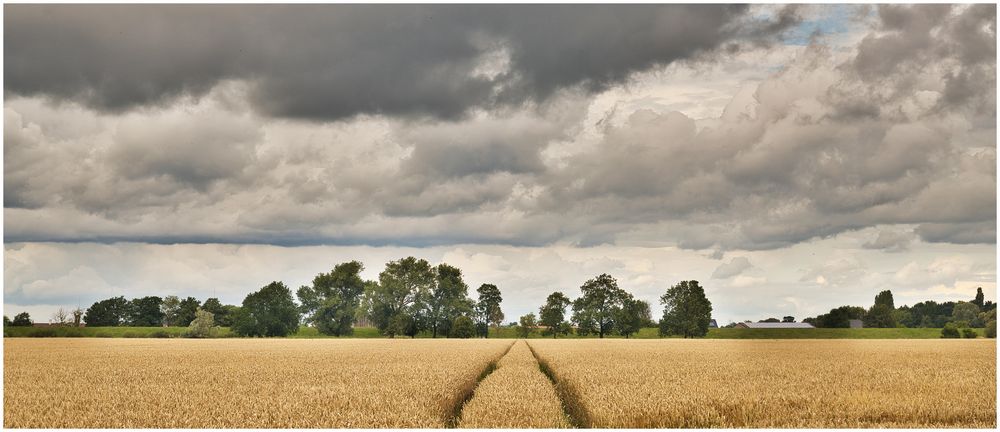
{"x": 218, "y": 310}
{"x": 463, "y": 327}
{"x": 595, "y": 311}
{"x": 186, "y": 311}
{"x": 268, "y": 312}
{"x": 393, "y": 303}
{"x": 885, "y": 298}
{"x": 553, "y": 313}
{"x": 170, "y": 306}
{"x": 965, "y": 312}
{"x": 146, "y": 312}
{"x": 203, "y": 324}
{"x": 445, "y": 299}
{"x": 686, "y": 310}
{"x": 631, "y": 316}
{"x": 112, "y": 312}
{"x": 489, "y": 305}
{"x": 331, "y": 303}
{"x": 22, "y": 320}
{"x": 527, "y": 325}
{"x": 978, "y": 301}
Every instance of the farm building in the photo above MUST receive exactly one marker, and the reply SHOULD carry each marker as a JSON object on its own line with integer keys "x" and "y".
{"x": 856, "y": 324}
{"x": 774, "y": 325}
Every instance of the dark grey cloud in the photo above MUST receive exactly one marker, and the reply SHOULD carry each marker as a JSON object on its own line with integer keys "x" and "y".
{"x": 833, "y": 142}
{"x": 335, "y": 61}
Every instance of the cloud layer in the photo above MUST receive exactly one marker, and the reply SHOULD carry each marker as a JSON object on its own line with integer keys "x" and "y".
{"x": 525, "y": 126}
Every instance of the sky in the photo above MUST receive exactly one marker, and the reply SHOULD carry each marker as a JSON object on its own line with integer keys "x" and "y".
{"x": 790, "y": 158}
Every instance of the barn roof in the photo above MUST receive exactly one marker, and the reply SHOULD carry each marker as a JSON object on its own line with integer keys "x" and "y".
{"x": 779, "y": 325}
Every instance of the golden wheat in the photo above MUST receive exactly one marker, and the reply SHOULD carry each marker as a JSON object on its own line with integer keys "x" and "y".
{"x": 516, "y": 395}
{"x": 246, "y": 383}
{"x": 772, "y": 383}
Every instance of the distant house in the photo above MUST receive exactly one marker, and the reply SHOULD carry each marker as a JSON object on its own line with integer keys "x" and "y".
{"x": 774, "y": 325}
{"x": 713, "y": 324}
{"x": 856, "y": 324}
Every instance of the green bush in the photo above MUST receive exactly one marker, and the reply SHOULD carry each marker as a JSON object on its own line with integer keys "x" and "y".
{"x": 969, "y": 333}
{"x": 950, "y": 331}
{"x": 991, "y": 329}
{"x": 160, "y": 334}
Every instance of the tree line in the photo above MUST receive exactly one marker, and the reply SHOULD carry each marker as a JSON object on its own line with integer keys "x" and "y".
{"x": 410, "y": 296}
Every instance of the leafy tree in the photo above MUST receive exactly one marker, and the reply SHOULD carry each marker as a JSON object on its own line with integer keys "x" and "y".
{"x": 991, "y": 329}
{"x": 950, "y": 330}
{"x": 170, "y": 307}
{"x": 596, "y": 309}
{"x": 964, "y": 311}
{"x": 788, "y": 319}
{"x": 186, "y": 311}
{"x": 203, "y": 324}
{"x": 226, "y": 320}
{"x": 393, "y": 302}
{"x": 489, "y": 305}
{"x": 463, "y": 327}
{"x": 527, "y": 325}
{"x": 885, "y": 298}
{"x": 553, "y": 313}
{"x": 22, "y": 320}
{"x": 838, "y": 317}
{"x": 6, "y": 321}
{"x": 978, "y": 301}
{"x": 630, "y": 317}
{"x": 332, "y": 302}
{"x": 686, "y": 310}
{"x": 646, "y": 314}
{"x": 969, "y": 333}
{"x": 146, "y": 312}
{"x": 902, "y": 317}
{"x": 445, "y": 299}
{"x": 770, "y": 320}
{"x": 112, "y": 312}
{"x": 218, "y": 310}
{"x": 268, "y": 312}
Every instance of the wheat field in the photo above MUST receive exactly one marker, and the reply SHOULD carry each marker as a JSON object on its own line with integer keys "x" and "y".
{"x": 775, "y": 383}
{"x": 516, "y": 395}
{"x": 246, "y": 383}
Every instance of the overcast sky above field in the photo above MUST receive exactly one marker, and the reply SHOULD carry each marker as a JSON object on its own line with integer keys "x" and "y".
{"x": 792, "y": 159}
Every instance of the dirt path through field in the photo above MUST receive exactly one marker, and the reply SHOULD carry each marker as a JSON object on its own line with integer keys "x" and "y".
{"x": 517, "y": 394}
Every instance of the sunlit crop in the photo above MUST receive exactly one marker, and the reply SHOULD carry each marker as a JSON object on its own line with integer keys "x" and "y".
{"x": 776, "y": 383}
{"x": 516, "y": 395}
{"x": 247, "y": 383}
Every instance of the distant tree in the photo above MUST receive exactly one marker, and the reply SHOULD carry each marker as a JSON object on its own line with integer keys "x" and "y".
{"x": 978, "y": 301}
{"x": 393, "y": 302}
{"x": 218, "y": 311}
{"x": 112, "y": 312}
{"x": 7, "y": 322}
{"x": 788, "y": 319}
{"x": 61, "y": 317}
{"x": 902, "y": 317}
{"x": 686, "y": 310}
{"x": 186, "y": 311}
{"x": 600, "y": 303}
{"x": 22, "y": 320}
{"x": 969, "y": 333}
{"x": 646, "y": 314}
{"x": 146, "y": 312}
{"x": 553, "y": 313}
{"x": 463, "y": 328}
{"x": 170, "y": 307}
{"x": 203, "y": 324}
{"x": 77, "y": 316}
{"x": 268, "y": 312}
{"x": 332, "y": 302}
{"x": 885, "y": 298}
{"x": 991, "y": 329}
{"x": 489, "y": 305}
{"x": 445, "y": 299}
{"x": 630, "y": 317}
{"x": 964, "y": 311}
{"x": 839, "y": 317}
{"x": 527, "y": 325}
{"x": 770, "y": 320}
{"x": 950, "y": 330}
